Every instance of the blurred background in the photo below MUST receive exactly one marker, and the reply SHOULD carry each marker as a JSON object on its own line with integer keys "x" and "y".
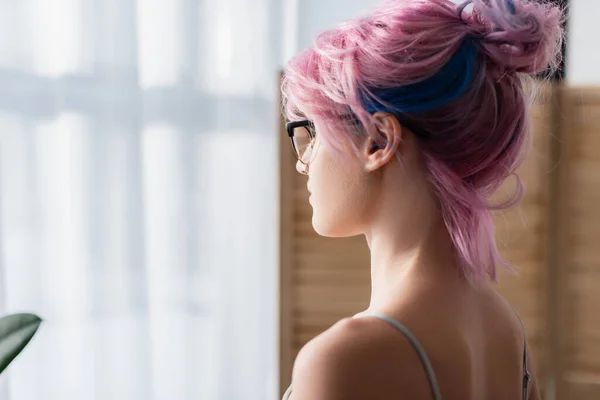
{"x": 150, "y": 214}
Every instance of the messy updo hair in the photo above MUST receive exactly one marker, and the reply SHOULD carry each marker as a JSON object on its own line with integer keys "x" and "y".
{"x": 454, "y": 76}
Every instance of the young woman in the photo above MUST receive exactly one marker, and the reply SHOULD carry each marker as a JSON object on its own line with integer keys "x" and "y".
{"x": 405, "y": 121}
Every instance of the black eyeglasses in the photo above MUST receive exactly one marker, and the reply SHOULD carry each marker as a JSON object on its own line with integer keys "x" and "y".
{"x": 302, "y": 135}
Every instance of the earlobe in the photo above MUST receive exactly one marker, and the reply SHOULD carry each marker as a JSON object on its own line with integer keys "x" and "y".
{"x": 380, "y": 158}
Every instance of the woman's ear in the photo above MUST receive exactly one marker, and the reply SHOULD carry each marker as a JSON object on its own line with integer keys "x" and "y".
{"x": 385, "y": 141}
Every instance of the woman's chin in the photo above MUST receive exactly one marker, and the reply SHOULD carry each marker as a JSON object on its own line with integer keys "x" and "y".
{"x": 326, "y": 227}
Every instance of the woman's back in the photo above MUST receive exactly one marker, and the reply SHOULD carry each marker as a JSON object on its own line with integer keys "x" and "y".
{"x": 472, "y": 337}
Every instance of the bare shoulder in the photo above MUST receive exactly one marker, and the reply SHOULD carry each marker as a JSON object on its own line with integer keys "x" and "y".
{"x": 357, "y": 359}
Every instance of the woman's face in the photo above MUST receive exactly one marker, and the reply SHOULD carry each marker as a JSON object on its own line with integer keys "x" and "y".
{"x": 341, "y": 193}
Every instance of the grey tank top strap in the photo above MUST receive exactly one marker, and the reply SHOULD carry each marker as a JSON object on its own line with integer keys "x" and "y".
{"x": 526, "y": 375}
{"x": 417, "y": 346}
{"x": 287, "y": 393}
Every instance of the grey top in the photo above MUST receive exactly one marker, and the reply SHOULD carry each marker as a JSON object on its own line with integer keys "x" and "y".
{"x": 435, "y": 391}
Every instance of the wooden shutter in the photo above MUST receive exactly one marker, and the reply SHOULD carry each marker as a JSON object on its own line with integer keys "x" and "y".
{"x": 578, "y": 242}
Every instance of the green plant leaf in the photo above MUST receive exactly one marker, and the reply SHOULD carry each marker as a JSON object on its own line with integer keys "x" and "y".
{"x": 16, "y": 331}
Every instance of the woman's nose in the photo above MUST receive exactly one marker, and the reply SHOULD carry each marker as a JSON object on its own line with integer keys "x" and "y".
{"x": 301, "y": 168}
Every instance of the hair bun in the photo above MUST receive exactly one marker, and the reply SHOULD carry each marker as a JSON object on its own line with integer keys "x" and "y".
{"x": 524, "y": 36}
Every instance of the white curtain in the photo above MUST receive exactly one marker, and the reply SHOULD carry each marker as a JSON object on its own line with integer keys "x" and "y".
{"x": 138, "y": 197}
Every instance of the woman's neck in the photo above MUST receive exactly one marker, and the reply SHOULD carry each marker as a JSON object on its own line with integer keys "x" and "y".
{"x": 406, "y": 255}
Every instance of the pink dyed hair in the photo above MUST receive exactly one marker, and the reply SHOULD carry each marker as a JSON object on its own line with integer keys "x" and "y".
{"x": 478, "y": 140}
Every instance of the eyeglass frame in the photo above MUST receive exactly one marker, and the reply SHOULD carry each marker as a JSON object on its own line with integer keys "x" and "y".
{"x": 305, "y": 123}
